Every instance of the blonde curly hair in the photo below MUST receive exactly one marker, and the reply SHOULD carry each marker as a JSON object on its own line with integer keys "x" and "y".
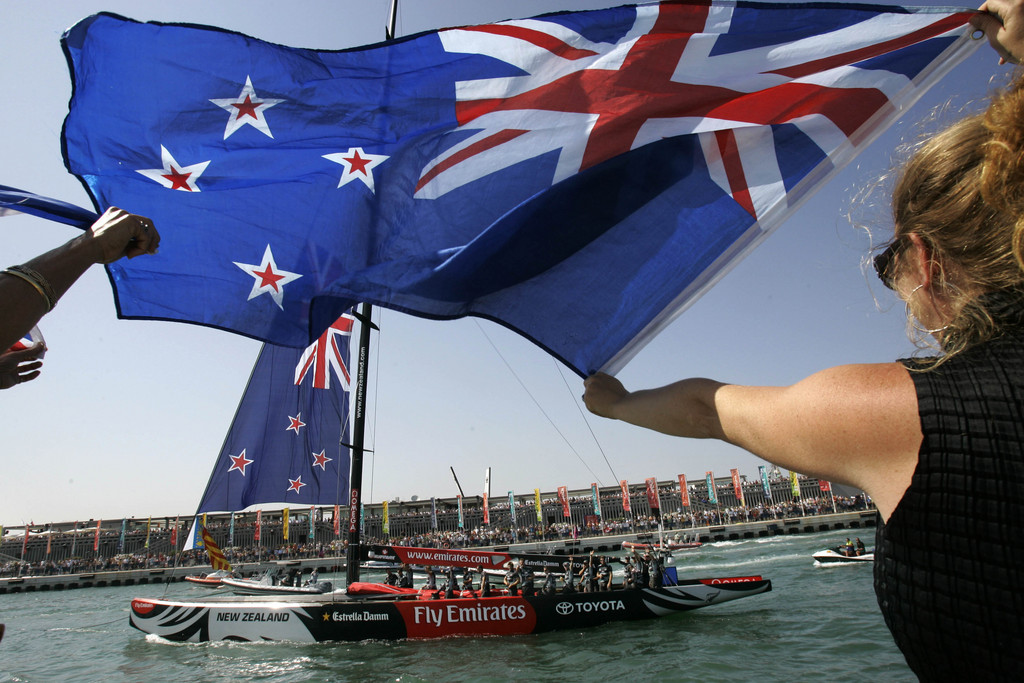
{"x": 962, "y": 192}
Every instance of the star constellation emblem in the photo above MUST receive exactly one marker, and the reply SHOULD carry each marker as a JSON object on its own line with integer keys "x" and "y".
{"x": 247, "y": 110}
{"x": 295, "y": 423}
{"x": 295, "y": 484}
{"x": 239, "y": 462}
{"x": 320, "y": 460}
{"x": 268, "y": 278}
{"x": 358, "y": 165}
{"x": 175, "y": 176}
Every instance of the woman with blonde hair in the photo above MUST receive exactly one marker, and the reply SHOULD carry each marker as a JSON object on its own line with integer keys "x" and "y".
{"x": 938, "y": 442}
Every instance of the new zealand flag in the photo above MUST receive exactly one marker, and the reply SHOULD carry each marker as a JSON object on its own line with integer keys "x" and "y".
{"x": 579, "y": 177}
{"x": 287, "y": 441}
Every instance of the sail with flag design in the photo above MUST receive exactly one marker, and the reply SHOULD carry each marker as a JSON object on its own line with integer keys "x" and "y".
{"x": 285, "y": 444}
{"x": 580, "y": 177}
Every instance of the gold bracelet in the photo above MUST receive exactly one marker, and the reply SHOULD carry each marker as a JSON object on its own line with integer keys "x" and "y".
{"x": 37, "y": 281}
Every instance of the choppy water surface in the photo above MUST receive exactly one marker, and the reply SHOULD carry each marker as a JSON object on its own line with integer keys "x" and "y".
{"x": 819, "y": 622}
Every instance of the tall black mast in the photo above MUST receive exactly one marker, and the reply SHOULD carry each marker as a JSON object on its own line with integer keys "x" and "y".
{"x": 355, "y": 480}
{"x": 352, "y": 558}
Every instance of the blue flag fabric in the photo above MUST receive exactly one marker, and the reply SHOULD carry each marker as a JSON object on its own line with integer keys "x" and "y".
{"x": 285, "y": 444}
{"x": 579, "y": 177}
{"x": 13, "y": 200}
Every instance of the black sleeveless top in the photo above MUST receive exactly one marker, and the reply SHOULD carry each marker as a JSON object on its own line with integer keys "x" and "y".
{"x": 949, "y": 564}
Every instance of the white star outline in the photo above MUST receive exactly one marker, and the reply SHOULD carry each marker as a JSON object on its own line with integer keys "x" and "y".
{"x": 247, "y": 99}
{"x": 320, "y": 460}
{"x": 295, "y": 423}
{"x": 358, "y": 164}
{"x": 295, "y": 484}
{"x": 173, "y": 175}
{"x": 268, "y": 278}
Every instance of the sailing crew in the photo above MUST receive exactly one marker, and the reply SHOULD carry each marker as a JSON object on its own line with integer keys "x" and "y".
{"x": 485, "y": 583}
{"x": 431, "y": 583}
{"x": 568, "y": 577}
{"x": 467, "y": 581}
{"x": 604, "y": 575}
{"x": 390, "y": 579}
{"x": 512, "y": 579}
{"x": 550, "y": 582}
{"x": 406, "y": 580}
{"x": 526, "y": 578}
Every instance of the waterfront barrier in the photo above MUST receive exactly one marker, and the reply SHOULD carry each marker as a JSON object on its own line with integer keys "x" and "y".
{"x": 328, "y": 565}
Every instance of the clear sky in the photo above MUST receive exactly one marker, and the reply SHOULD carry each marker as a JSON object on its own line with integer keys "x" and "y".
{"x": 128, "y": 416}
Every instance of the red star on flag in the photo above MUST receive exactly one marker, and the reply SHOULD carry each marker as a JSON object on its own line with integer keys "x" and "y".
{"x": 269, "y": 279}
{"x": 320, "y": 460}
{"x": 239, "y": 462}
{"x": 296, "y": 423}
{"x": 247, "y": 109}
{"x": 175, "y": 176}
{"x": 358, "y": 164}
{"x": 295, "y": 484}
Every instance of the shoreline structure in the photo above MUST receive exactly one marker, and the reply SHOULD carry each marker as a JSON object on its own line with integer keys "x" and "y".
{"x": 602, "y": 544}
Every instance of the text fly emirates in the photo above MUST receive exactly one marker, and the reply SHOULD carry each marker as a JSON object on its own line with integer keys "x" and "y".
{"x": 454, "y": 613}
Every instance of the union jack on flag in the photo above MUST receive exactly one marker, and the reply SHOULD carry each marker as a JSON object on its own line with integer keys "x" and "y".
{"x": 327, "y": 353}
{"x": 580, "y": 178}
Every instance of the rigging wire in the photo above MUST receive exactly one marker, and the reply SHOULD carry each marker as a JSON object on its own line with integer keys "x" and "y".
{"x": 376, "y": 397}
{"x": 583, "y": 415}
{"x": 536, "y": 402}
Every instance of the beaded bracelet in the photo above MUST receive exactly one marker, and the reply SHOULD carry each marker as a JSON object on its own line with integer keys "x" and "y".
{"x": 40, "y": 283}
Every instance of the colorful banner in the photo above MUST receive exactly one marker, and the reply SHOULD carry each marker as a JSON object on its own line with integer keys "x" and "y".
{"x": 120, "y": 539}
{"x": 337, "y": 520}
{"x": 74, "y": 538}
{"x": 433, "y": 513}
{"x": 312, "y": 524}
{"x": 537, "y": 504}
{"x": 285, "y": 521}
{"x": 197, "y": 538}
{"x": 387, "y": 519}
{"x": 737, "y": 487}
{"x": 596, "y": 499}
{"x": 96, "y": 538}
{"x": 231, "y": 531}
{"x": 794, "y": 484}
{"x": 149, "y": 525}
{"x": 487, "y": 509}
{"x": 217, "y": 559}
{"x": 763, "y": 471}
{"x": 24, "y": 540}
{"x": 825, "y": 486}
{"x": 259, "y": 526}
{"x": 624, "y": 485}
{"x": 653, "y": 501}
{"x": 684, "y": 492}
{"x": 512, "y": 507}
{"x": 709, "y": 477}
{"x": 174, "y": 535}
{"x": 563, "y": 497}
{"x": 462, "y": 518}
{"x": 49, "y": 537}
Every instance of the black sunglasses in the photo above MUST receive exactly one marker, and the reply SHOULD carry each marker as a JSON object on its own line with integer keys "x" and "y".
{"x": 886, "y": 261}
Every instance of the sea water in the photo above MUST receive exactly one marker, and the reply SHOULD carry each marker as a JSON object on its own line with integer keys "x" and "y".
{"x": 819, "y": 622}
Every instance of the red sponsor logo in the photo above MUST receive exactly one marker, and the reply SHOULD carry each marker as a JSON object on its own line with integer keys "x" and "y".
{"x": 468, "y": 617}
{"x": 731, "y": 579}
{"x": 142, "y": 606}
{"x": 353, "y": 510}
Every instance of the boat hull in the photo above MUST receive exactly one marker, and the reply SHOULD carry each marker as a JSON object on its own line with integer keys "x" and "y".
{"x": 832, "y": 557}
{"x": 339, "y": 618}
